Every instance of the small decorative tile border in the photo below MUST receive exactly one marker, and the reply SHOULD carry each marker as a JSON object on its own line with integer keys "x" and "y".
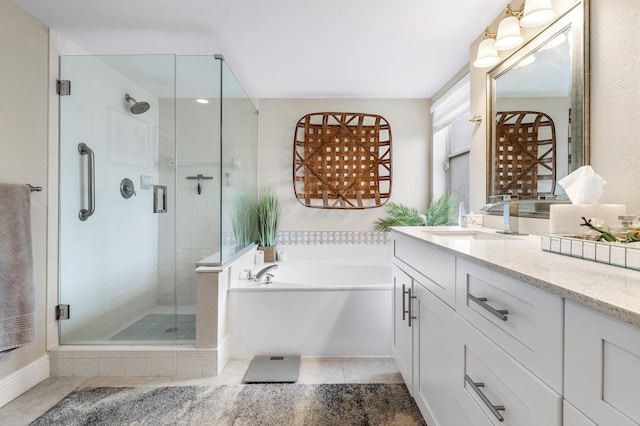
{"x": 323, "y": 237}
{"x": 619, "y": 254}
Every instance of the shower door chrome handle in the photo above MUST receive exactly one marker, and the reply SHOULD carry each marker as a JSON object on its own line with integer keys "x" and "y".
{"x": 159, "y": 199}
{"x": 84, "y": 214}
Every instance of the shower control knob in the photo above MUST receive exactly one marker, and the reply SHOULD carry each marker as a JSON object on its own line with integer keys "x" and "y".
{"x": 127, "y": 188}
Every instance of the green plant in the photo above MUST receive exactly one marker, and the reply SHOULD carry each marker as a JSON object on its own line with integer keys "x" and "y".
{"x": 244, "y": 219}
{"x": 268, "y": 209}
{"x": 440, "y": 212}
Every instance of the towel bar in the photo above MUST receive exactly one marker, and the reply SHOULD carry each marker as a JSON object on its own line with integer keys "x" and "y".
{"x": 34, "y": 188}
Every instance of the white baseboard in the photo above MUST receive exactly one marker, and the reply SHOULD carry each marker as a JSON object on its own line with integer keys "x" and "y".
{"x": 223, "y": 354}
{"x": 15, "y": 384}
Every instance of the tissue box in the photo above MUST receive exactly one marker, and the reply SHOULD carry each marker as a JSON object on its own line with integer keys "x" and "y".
{"x": 471, "y": 220}
{"x": 565, "y": 219}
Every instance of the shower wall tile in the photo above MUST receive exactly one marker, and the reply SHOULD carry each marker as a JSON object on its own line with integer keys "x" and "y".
{"x": 112, "y": 366}
{"x": 134, "y": 361}
{"x": 163, "y": 366}
{"x": 138, "y": 367}
{"x": 323, "y": 237}
{"x": 86, "y": 367}
{"x": 189, "y": 367}
{"x": 61, "y": 367}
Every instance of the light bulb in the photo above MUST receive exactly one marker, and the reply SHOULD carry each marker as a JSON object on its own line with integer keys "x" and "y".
{"x": 536, "y": 13}
{"x": 508, "y": 34}
{"x": 487, "y": 54}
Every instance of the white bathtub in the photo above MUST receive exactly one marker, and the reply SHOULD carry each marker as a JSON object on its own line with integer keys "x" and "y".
{"x": 320, "y": 275}
{"x": 336, "y": 302}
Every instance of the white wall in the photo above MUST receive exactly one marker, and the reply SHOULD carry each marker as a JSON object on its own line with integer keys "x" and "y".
{"x": 23, "y": 147}
{"x": 615, "y": 129}
{"x": 615, "y": 104}
{"x": 411, "y": 136}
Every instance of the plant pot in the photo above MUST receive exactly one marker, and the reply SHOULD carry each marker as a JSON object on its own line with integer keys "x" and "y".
{"x": 269, "y": 253}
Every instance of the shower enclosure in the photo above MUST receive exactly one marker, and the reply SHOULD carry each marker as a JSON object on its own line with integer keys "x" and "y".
{"x": 154, "y": 149}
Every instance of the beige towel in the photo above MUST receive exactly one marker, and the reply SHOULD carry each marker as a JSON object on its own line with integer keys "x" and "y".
{"x": 17, "y": 295}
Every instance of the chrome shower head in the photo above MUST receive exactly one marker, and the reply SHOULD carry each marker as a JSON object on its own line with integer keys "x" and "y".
{"x": 137, "y": 107}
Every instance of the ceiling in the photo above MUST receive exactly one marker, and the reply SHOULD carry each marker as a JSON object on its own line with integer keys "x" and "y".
{"x": 290, "y": 48}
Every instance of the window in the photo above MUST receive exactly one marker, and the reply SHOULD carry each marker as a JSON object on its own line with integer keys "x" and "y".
{"x": 452, "y": 142}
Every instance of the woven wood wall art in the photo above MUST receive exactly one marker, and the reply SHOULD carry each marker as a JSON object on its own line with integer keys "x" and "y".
{"x": 526, "y": 154}
{"x": 342, "y": 160}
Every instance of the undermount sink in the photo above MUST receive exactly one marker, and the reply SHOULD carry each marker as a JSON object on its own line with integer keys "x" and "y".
{"x": 468, "y": 235}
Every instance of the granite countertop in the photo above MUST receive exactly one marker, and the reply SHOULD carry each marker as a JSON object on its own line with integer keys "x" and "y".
{"x": 611, "y": 290}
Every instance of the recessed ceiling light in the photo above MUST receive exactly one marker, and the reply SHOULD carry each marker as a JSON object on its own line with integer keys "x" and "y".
{"x": 202, "y": 101}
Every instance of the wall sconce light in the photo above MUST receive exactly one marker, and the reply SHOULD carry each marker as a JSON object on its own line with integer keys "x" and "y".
{"x": 534, "y": 13}
{"x": 509, "y": 36}
{"x": 487, "y": 52}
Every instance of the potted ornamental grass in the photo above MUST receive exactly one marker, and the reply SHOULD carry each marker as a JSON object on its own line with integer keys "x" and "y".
{"x": 268, "y": 209}
{"x": 244, "y": 219}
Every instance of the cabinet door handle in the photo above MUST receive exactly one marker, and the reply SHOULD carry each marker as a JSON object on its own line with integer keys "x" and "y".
{"x": 500, "y": 313}
{"x": 493, "y": 408}
{"x": 404, "y": 304}
{"x": 409, "y": 311}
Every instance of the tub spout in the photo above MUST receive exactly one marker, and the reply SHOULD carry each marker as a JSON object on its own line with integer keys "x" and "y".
{"x": 263, "y": 271}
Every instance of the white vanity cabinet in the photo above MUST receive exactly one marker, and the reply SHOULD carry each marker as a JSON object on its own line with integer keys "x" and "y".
{"x": 433, "y": 351}
{"x": 433, "y": 267}
{"x": 488, "y": 347}
{"x": 423, "y": 279}
{"x": 495, "y": 389}
{"x": 457, "y": 344}
{"x": 602, "y": 367}
{"x": 402, "y": 332}
{"x": 524, "y": 321}
{"x": 512, "y": 344}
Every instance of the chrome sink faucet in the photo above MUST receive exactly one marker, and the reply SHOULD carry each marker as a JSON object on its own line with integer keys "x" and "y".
{"x": 505, "y": 200}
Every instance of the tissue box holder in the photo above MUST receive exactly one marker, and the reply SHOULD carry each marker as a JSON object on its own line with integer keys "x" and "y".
{"x": 617, "y": 254}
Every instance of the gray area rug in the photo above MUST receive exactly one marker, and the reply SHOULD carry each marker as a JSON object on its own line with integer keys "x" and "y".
{"x": 255, "y": 404}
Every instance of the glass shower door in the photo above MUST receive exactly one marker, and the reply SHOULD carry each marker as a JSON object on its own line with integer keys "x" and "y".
{"x": 117, "y": 201}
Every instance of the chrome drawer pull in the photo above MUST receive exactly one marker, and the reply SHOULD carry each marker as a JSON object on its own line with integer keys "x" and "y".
{"x": 500, "y": 313}
{"x": 493, "y": 408}
{"x": 411, "y": 317}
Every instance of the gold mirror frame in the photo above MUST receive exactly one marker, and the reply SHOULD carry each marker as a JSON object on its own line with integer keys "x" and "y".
{"x": 577, "y": 19}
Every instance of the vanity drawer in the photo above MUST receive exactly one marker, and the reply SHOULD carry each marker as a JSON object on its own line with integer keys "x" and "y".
{"x": 437, "y": 266}
{"x": 500, "y": 381}
{"x": 531, "y": 326}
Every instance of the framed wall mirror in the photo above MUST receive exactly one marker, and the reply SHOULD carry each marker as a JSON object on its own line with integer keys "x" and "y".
{"x": 538, "y": 111}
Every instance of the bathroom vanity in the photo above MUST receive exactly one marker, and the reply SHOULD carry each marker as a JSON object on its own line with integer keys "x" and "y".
{"x": 489, "y": 329}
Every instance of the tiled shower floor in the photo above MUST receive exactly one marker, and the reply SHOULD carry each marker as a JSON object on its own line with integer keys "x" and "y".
{"x": 159, "y": 327}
